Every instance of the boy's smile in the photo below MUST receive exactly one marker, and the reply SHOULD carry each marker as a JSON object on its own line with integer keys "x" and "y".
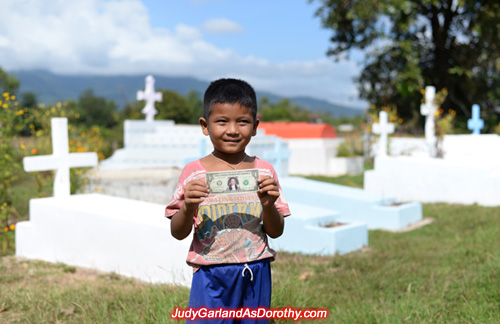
{"x": 230, "y": 127}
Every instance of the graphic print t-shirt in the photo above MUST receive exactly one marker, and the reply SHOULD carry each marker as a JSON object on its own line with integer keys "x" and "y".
{"x": 227, "y": 227}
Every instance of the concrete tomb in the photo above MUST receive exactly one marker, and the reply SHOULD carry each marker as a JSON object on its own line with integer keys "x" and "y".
{"x": 126, "y": 236}
{"x": 163, "y": 144}
{"x": 468, "y": 173}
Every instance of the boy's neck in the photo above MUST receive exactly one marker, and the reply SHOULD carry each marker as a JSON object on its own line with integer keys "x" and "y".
{"x": 233, "y": 158}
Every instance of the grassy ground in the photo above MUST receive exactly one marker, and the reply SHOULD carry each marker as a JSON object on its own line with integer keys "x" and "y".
{"x": 445, "y": 272}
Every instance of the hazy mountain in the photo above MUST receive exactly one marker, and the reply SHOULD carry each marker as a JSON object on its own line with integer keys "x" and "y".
{"x": 51, "y": 88}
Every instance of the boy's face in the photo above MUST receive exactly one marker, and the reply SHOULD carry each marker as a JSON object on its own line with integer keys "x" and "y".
{"x": 230, "y": 127}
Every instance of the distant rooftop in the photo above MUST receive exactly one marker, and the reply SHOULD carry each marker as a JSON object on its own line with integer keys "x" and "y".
{"x": 298, "y": 130}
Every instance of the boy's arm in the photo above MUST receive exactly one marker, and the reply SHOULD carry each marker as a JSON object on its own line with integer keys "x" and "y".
{"x": 182, "y": 221}
{"x": 273, "y": 222}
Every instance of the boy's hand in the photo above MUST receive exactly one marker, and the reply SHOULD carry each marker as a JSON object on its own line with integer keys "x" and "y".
{"x": 194, "y": 193}
{"x": 268, "y": 192}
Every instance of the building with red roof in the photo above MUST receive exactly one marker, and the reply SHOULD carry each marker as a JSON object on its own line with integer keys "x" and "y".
{"x": 313, "y": 148}
{"x": 289, "y": 130}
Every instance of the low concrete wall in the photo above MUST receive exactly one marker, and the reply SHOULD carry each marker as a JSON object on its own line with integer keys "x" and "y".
{"x": 435, "y": 180}
{"x": 129, "y": 237}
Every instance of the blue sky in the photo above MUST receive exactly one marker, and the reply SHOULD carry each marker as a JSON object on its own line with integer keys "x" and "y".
{"x": 276, "y": 45}
{"x": 276, "y": 30}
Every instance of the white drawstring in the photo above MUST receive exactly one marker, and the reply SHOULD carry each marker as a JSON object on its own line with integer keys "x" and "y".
{"x": 243, "y": 272}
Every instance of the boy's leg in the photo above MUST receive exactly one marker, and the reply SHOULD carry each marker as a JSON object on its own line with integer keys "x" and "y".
{"x": 231, "y": 287}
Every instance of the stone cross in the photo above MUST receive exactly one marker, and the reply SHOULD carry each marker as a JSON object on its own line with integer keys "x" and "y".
{"x": 383, "y": 128}
{"x": 277, "y": 157}
{"x": 428, "y": 109}
{"x": 475, "y": 124}
{"x": 151, "y": 97}
{"x": 60, "y": 160}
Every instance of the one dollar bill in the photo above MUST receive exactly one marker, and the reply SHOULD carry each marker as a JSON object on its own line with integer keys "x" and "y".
{"x": 228, "y": 182}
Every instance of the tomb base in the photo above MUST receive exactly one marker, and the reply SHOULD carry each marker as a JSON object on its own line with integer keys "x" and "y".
{"x": 152, "y": 185}
{"x": 128, "y": 237}
{"x": 313, "y": 230}
{"x": 479, "y": 149}
{"x": 378, "y": 211}
{"x": 345, "y": 165}
{"x": 435, "y": 180}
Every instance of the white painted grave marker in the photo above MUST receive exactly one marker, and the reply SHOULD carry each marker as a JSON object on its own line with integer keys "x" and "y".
{"x": 60, "y": 160}
{"x": 383, "y": 128}
{"x": 150, "y": 96}
{"x": 475, "y": 124}
{"x": 277, "y": 157}
{"x": 428, "y": 109}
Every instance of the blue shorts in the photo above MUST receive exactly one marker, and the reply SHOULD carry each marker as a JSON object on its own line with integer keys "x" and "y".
{"x": 232, "y": 286}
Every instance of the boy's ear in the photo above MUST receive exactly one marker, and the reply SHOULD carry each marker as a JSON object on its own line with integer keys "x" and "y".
{"x": 255, "y": 125}
{"x": 204, "y": 126}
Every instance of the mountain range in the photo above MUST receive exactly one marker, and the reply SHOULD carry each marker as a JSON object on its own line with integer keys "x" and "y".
{"x": 50, "y": 88}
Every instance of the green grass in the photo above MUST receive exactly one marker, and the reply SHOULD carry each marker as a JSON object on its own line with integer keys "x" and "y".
{"x": 445, "y": 272}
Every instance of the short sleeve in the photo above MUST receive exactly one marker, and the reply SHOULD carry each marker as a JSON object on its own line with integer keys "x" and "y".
{"x": 189, "y": 173}
{"x": 280, "y": 203}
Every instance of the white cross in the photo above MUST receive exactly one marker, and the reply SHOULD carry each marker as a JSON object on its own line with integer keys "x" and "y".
{"x": 428, "y": 109}
{"x": 150, "y": 96}
{"x": 383, "y": 128}
{"x": 277, "y": 157}
{"x": 60, "y": 160}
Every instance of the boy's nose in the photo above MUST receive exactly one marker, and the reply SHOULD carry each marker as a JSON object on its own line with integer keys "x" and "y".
{"x": 232, "y": 129}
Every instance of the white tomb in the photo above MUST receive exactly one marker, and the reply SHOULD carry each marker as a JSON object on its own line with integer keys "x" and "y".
{"x": 469, "y": 172}
{"x": 163, "y": 144}
{"x": 125, "y": 236}
{"x": 129, "y": 237}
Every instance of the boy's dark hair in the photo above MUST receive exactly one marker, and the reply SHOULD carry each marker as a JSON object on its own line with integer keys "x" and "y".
{"x": 229, "y": 91}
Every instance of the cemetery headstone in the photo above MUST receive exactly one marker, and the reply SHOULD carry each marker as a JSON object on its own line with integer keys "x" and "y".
{"x": 383, "y": 128}
{"x": 277, "y": 157}
{"x": 60, "y": 160}
{"x": 475, "y": 124}
{"x": 428, "y": 109}
{"x": 151, "y": 97}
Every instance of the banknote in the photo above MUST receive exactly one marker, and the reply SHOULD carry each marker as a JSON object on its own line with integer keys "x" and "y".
{"x": 237, "y": 181}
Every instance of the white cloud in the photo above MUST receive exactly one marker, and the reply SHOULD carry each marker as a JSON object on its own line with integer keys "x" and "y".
{"x": 222, "y": 26}
{"x": 116, "y": 37}
{"x": 4, "y": 42}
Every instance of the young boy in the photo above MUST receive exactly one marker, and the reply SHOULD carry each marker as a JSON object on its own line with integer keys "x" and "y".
{"x": 229, "y": 253}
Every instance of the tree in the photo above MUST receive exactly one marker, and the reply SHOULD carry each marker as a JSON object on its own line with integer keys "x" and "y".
{"x": 174, "y": 107}
{"x": 196, "y": 105}
{"x": 95, "y": 110}
{"x": 451, "y": 44}
{"x": 282, "y": 111}
{"x": 8, "y": 83}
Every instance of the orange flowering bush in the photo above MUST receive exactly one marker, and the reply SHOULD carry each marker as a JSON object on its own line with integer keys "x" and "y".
{"x": 81, "y": 139}
{"x": 10, "y": 124}
{"x": 373, "y": 115}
